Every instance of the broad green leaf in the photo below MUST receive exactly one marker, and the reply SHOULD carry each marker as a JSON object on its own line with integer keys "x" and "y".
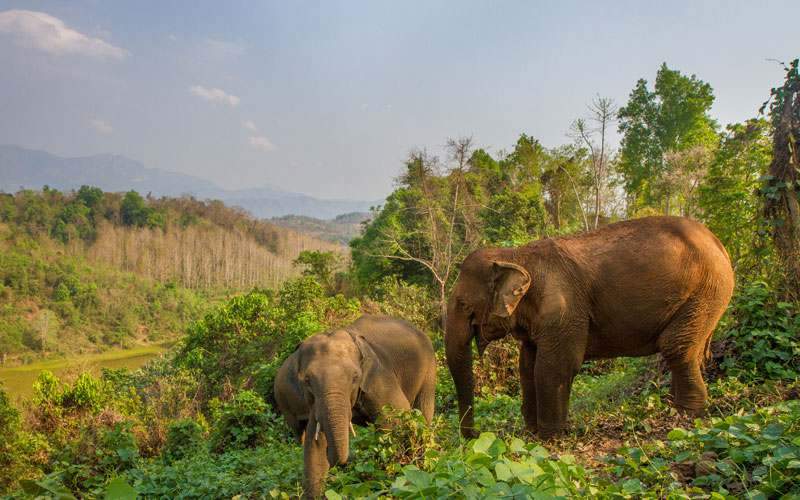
{"x": 119, "y": 489}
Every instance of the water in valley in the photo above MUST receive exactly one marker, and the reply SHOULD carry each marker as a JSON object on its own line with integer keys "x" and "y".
{"x": 18, "y": 381}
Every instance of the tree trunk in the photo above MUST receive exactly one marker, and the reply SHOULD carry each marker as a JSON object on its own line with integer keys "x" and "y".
{"x": 443, "y": 305}
{"x": 781, "y": 206}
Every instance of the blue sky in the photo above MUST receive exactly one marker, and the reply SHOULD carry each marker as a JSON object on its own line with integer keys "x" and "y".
{"x": 327, "y": 98}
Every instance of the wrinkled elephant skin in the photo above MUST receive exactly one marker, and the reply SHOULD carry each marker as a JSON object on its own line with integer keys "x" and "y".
{"x": 346, "y": 376}
{"x": 634, "y": 288}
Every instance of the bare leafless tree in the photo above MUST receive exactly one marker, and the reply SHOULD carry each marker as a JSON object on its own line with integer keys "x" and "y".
{"x": 459, "y": 151}
{"x": 592, "y": 133}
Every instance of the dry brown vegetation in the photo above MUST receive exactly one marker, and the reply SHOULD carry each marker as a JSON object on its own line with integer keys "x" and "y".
{"x": 204, "y": 254}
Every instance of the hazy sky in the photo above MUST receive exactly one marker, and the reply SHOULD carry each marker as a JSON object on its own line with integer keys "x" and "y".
{"x": 328, "y": 97}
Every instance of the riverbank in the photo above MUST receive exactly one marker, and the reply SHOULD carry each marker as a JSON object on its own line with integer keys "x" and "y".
{"x": 18, "y": 381}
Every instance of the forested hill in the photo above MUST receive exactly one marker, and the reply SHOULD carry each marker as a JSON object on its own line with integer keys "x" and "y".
{"x": 86, "y": 270}
{"x": 22, "y": 168}
{"x": 341, "y": 228}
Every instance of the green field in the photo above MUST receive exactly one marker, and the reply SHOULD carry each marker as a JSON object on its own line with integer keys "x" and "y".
{"x": 18, "y": 380}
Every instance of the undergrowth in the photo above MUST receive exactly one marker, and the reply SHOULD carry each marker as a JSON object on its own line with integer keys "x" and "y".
{"x": 199, "y": 424}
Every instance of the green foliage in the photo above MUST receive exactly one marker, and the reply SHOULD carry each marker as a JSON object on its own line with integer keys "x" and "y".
{"x": 9, "y": 423}
{"x": 514, "y": 217}
{"x": 673, "y": 117}
{"x": 86, "y": 393}
{"x": 184, "y": 439}
{"x": 780, "y": 95}
{"x": 490, "y": 467}
{"x": 252, "y": 333}
{"x": 765, "y": 335}
{"x": 252, "y": 473}
{"x": 100, "y": 453}
{"x": 758, "y": 453}
{"x": 318, "y": 265}
{"x": 413, "y": 303}
{"x": 135, "y": 212}
{"x": 755, "y": 455}
{"x": 241, "y": 423}
{"x": 90, "y": 196}
{"x": 380, "y": 451}
{"x": 47, "y": 390}
{"x": 727, "y": 197}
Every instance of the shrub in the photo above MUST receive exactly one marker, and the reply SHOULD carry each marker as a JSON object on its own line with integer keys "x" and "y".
{"x": 9, "y": 423}
{"x": 252, "y": 473}
{"x": 753, "y": 455}
{"x": 47, "y": 390}
{"x": 105, "y": 448}
{"x": 252, "y": 334}
{"x": 86, "y": 393}
{"x": 380, "y": 451}
{"x": 184, "y": 439}
{"x": 489, "y": 467}
{"x": 765, "y": 336}
{"x": 758, "y": 453}
{"x": 241, "y": 423}
{"x": 413, "y": 303}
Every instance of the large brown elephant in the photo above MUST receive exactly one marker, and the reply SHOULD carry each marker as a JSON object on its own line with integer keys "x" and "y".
{"x": 346, "y": 376}
{"x": 634, "y": 288}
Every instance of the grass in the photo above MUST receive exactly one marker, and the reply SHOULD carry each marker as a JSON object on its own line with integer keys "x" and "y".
{"x": 18, "y": 380}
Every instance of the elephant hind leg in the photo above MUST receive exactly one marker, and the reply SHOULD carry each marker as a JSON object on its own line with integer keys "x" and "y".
{"x": 426, "y": 397}
{"x": 684, "y": 343}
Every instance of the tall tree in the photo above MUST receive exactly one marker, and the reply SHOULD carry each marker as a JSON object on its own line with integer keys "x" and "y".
{"x": 781, "y": 204}
{"x": 513, "y": 212}
{"x": 671, "y": 118}
{"x": 592, "y": 133}
{"x": 423, "y": 225}
{"x": 727, "y": 195}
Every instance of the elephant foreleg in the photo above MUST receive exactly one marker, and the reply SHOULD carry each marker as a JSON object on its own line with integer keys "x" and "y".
{"x": 315, "y": 459}
{"x": 527, "y": 363}
{"x": 558, "y": 360}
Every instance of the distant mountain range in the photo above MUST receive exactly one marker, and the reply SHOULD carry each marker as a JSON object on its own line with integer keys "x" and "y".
{"x": 32, "y": 169}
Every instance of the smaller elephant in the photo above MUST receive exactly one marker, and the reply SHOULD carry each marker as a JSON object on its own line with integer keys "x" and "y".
{"x": 345, "y": 376}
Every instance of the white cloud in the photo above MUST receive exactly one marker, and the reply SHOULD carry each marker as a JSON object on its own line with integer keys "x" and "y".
{"x": 214, "y": 95}
{"x": 261, "y": 143}
{"x": 101, "y": 126}
{"x": 249, "y": 125}
{"x": 41, "y": 31}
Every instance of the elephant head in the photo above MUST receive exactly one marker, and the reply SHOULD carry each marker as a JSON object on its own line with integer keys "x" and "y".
{"x": 332, "y": 368}
{"x": 482, "y": 307}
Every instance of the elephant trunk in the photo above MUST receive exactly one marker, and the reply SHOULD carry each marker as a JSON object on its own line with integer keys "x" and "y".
{"x": 458, "y": 349}
{"x": 335, "y": 415}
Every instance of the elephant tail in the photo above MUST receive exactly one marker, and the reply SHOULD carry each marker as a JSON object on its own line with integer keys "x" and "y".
{"x": 706, "y": 353}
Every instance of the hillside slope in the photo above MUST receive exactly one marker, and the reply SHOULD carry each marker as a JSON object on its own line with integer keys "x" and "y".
{"x": 340, "y": 229}
{"x": 84, "y": 271}
{"x": 53, "y": 303}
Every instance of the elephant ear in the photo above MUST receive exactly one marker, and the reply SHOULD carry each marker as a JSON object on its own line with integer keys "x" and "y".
{"x": 510, "y": 283}
{"x": 371, "y": 368}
